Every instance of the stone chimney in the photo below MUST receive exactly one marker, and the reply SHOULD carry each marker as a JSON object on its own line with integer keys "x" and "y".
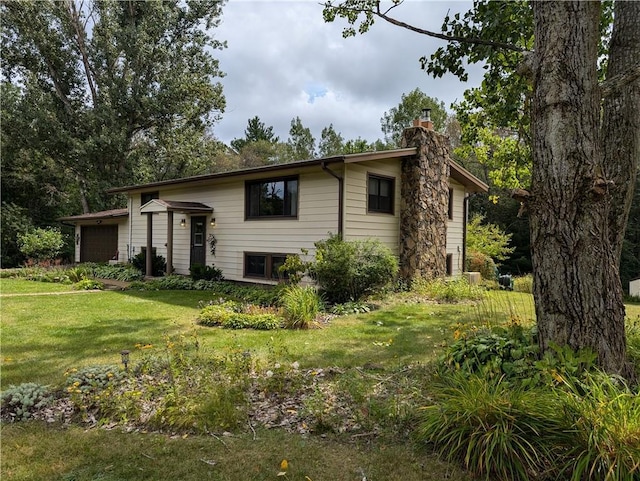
{"x": 424, "y": 202}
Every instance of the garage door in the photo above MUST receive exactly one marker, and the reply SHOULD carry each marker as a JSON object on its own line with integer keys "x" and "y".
{"x": 98, "y": 243}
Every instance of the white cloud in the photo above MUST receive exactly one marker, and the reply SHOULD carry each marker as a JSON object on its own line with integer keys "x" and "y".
{"x": 283, "y": 61}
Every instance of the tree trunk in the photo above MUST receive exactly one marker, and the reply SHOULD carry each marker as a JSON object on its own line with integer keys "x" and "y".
{"x": 621, "y": 120}
{"x": 577, "y": 290}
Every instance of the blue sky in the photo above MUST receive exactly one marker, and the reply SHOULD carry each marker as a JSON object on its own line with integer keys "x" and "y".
{"x": 283, "y": 61}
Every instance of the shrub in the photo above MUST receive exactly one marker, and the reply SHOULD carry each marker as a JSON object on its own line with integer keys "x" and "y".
{"x": 88, "y": 284}
{"x": 301, "y": 305}
{"x": 294, "y": 268}
{"x": 482, "y": 263}
{"x": 207, "y": 273}
{"x": 447, "y": 290}
{"x": 493, "y": 428}
{"x": 14, "y": 221}
{"x": 348, "y": 270}
{"x": 523, "y": 284}
{"x": 216, "y": 314}
{"x": 263, "y": 322}
{"x": 159, "y": 263}
{"x": 20, "y": 402}
{"x": 41, "y": 244}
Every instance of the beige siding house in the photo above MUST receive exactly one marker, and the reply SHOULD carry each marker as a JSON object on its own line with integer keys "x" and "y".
{"x": 260, "y": 215}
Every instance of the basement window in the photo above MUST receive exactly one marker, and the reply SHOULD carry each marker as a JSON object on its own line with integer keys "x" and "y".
{"x": 264, "y": 265}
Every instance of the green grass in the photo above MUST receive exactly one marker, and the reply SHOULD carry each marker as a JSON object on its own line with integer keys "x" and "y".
{"x": 33, "y": 452}
{"x": 21, "y": 286}
{"x": 43, "y": 336}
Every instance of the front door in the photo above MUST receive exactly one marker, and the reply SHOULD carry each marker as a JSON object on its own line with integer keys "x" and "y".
{"x": 198, "y": 231}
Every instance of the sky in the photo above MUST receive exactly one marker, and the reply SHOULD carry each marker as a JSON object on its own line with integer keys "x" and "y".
{"x": 284, "y": 61}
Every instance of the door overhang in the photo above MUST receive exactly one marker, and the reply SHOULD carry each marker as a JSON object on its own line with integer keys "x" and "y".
{"x": 155, "y": 206}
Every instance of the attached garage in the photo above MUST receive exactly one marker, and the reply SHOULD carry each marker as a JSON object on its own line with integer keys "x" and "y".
{"x": 100, "y": 236}
{"x": 99, "y": 243}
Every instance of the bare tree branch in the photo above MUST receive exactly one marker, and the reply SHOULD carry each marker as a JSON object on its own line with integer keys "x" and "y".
{"x": 74, "y": 15}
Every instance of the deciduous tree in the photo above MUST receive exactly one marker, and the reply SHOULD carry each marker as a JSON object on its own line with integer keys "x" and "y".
{"x": 100, "y": 90}
{"x": 410, "y": 108}
{"x": 543, "y": 76}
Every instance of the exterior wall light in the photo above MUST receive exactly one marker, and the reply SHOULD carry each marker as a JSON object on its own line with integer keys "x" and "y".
{"x": 212, "y": 223}
{"x": 183, "y": 223}
{"x": 426, "y": 115}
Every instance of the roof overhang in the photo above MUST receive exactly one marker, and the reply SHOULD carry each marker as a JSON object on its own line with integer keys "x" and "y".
{"x": 160, "y": 205}
{"x": 102, "y": 215}
{"x": 466, "y": 178}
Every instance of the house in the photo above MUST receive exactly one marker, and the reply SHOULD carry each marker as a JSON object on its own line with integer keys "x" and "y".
{"x": 413, "y": 199}
{"x": 634, "y": 287}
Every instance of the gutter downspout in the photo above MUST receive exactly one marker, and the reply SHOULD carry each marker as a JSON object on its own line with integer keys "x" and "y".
{"x": 340, "y": 196}
{"x": 130, "y": 225}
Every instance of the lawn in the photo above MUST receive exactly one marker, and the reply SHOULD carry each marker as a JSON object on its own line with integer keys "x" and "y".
{"x": 45, "y": 335}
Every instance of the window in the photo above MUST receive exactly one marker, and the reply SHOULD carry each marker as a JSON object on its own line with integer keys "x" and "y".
{"x": 264, "y": 266}
{"x": 147, "y": 196}
{"x": 380, "y": 193}
{"x": 272, "y": 198}
{"x": 451, "y": 204}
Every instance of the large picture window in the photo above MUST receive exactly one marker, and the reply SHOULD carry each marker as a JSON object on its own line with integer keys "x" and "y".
{"x": 272, "y": 198}
{"x": 380, "y": 194}
{"x": 263, "y": 265}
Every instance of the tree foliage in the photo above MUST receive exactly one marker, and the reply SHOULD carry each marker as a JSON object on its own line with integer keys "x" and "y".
{"x": 102, "y": 93}
{"x": 410, "y": 107}
{"x": 301, "y": 143}
{"x": 256, "y": 131}
{"x": 488, "y": 239}
{"x": 540, "y": 91}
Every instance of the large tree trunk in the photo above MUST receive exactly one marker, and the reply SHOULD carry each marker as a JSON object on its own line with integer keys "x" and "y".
{"x": 621, "y": 119}
{"x": 577, "y": 290}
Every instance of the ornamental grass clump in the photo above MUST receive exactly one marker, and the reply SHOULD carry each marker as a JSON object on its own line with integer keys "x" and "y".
{"x": 602, "y": 432}
{"x": 301, "y": 305}
{"x": 493, "y": 428}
